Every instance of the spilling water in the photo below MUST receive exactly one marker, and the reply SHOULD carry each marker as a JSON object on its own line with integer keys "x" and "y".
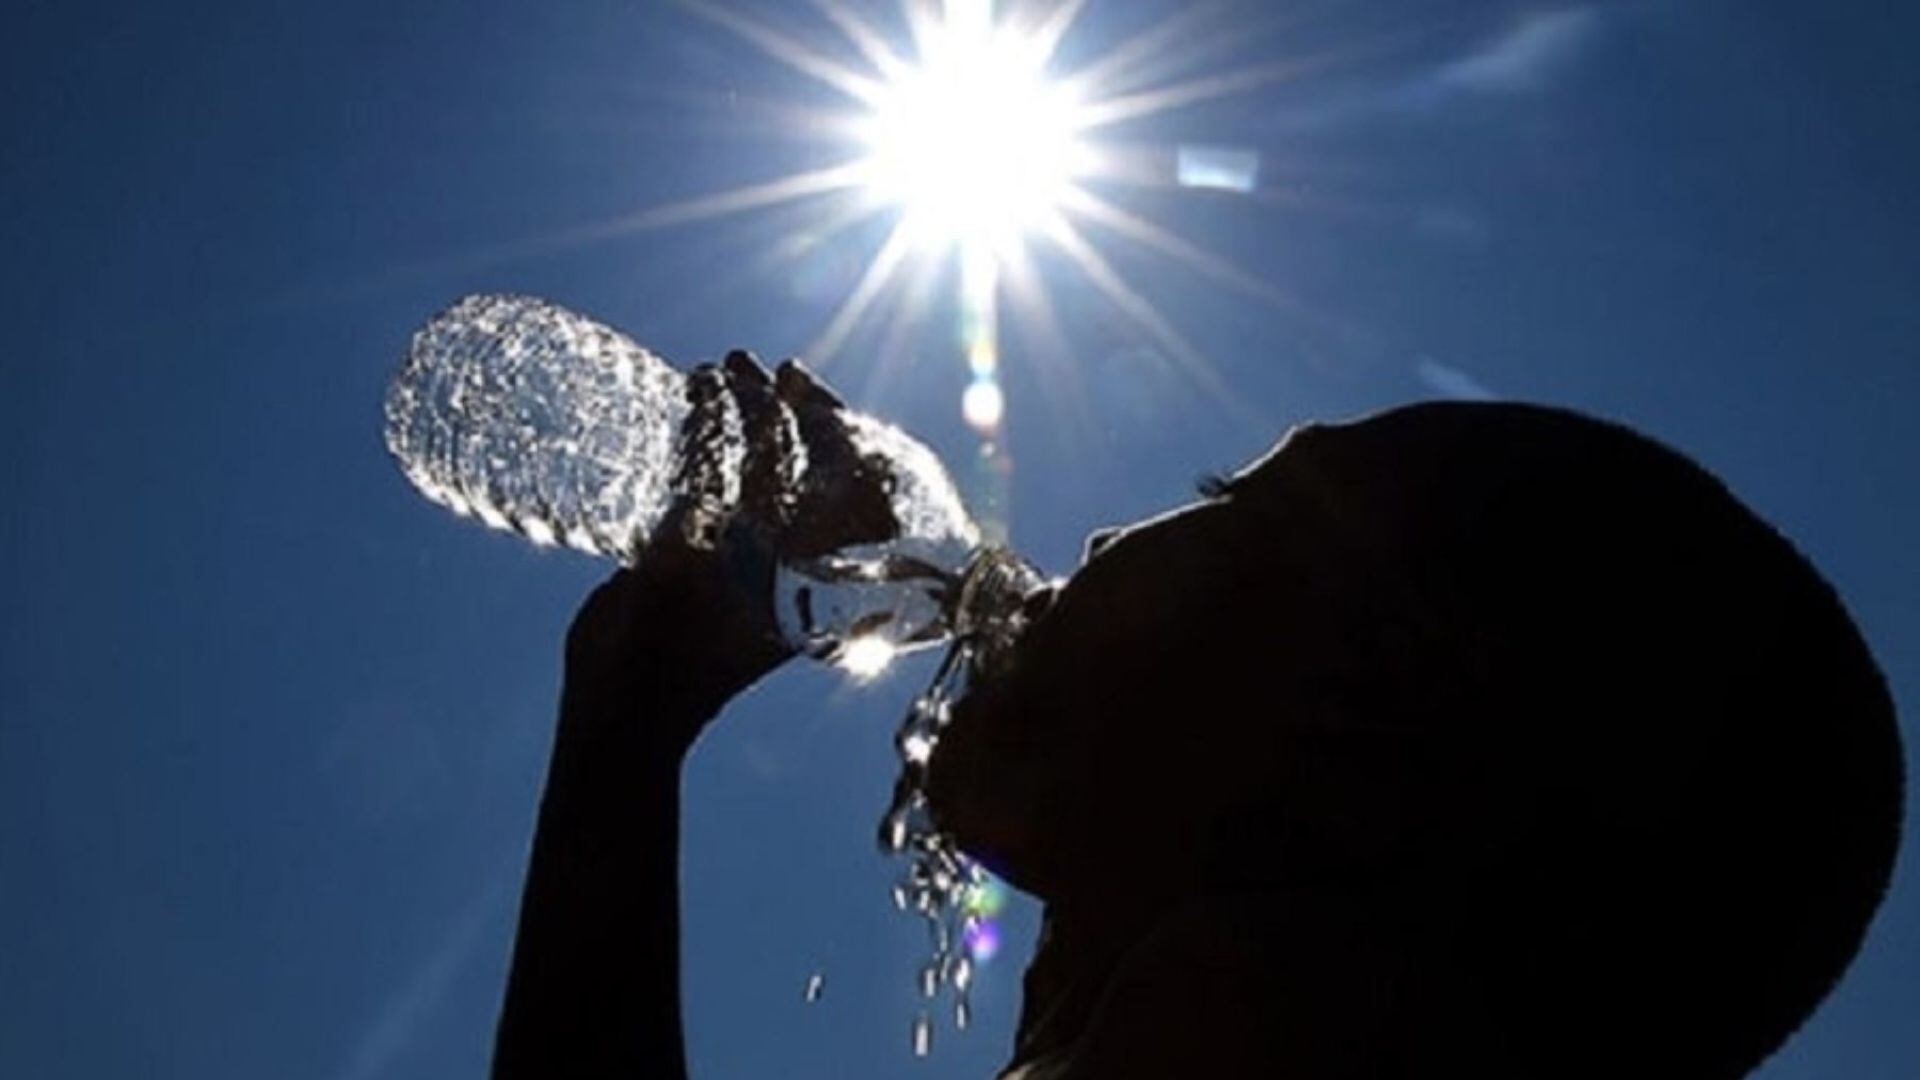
{"x": 989, "y": 614}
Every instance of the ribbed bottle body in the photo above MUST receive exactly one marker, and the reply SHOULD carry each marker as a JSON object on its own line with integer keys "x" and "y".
{"x": 536, "y": 419}
{"x": 533, "y": 418}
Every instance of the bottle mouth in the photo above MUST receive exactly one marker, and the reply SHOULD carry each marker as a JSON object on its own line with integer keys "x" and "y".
{"x": 998, "y": 596}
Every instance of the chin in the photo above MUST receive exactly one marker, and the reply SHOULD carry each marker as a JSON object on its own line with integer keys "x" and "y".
{"x": 983, "y": 818}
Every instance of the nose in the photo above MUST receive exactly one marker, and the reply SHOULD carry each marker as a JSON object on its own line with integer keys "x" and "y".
{"x": 1098, "y": 540}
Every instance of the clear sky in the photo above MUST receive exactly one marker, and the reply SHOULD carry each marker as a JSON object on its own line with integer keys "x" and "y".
{"x": 272, "y": 727}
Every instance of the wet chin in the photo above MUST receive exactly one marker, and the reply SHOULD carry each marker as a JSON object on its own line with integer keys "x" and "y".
{"x": 980, "y": 805}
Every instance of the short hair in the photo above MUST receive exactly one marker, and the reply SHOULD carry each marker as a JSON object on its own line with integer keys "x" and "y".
{"x": 1666, "y": 768}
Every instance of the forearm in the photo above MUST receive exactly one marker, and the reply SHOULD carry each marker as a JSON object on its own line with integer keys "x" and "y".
{"x": 595, "y": 983}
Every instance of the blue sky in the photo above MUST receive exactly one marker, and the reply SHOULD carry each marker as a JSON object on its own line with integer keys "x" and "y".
{"x": 272, "y": 728}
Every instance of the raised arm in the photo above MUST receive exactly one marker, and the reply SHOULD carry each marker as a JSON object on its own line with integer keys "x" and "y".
{"x": 652, "y": 656}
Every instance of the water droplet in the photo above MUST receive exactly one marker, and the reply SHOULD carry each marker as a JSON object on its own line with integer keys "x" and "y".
{"x": 916, "y": 747}
{"x": 922, "y": 1035}
{"x": 929, "y": 980}
{"x": 816, "y": 985}
{"x": 962, "y": 1014}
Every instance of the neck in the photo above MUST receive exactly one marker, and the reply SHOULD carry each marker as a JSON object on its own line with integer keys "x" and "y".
{"x": 1339, "y": 972}
{"x": 1080, "y": 945}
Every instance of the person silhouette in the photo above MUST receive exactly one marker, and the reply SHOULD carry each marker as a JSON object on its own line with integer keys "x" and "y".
{"x": 1466, "y": 739}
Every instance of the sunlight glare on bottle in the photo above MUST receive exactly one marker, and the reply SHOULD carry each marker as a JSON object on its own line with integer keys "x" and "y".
{"x": 974, "y": 143}
{"x": 866, "y": 657}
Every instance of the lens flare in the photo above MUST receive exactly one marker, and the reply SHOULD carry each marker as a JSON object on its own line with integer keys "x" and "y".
{"x": 980, "y": 933}
{"x": 988, "y": 898}
{"x": 983, "y": 406}
{"x": 982, "y": 938}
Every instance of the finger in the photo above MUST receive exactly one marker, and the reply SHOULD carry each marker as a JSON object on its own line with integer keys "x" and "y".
{"x": 771, "y": 465}
{"x": 750, "y": 385}
{"x": 702, "y": 480}
{"x": 751, "y": 559}
{"x": 752, "y": 390}
{"x": 798, "y": 387}
{"x": 845, "y": 498}
{"x": 745, "y": 370}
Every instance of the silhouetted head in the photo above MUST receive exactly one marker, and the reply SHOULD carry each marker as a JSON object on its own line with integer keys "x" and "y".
{"x": 1534, "y": 692}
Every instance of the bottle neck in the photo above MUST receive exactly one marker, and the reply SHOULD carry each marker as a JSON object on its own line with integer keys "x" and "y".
{"x": 989, "y": 607}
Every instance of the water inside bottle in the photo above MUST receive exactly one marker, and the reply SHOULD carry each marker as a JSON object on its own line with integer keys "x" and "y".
{"x": 536, "y": 419}
{"x": 865, "y": 602}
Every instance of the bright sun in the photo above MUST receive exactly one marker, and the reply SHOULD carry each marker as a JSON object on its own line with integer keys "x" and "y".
{"x": 981, "y": 144}
{"x": 974, "y": 143}
{"x": 998, "y": 164}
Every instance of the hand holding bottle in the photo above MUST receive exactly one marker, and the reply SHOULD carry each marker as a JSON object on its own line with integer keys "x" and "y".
{"x": 540, "y": 420}
{"x": 697, "y": 609}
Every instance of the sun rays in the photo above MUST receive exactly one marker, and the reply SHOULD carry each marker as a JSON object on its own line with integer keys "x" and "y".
{"x": 964, "y": 135}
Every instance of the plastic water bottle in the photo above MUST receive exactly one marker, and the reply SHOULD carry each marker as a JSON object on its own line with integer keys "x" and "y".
{"x": 537, "y": 419}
